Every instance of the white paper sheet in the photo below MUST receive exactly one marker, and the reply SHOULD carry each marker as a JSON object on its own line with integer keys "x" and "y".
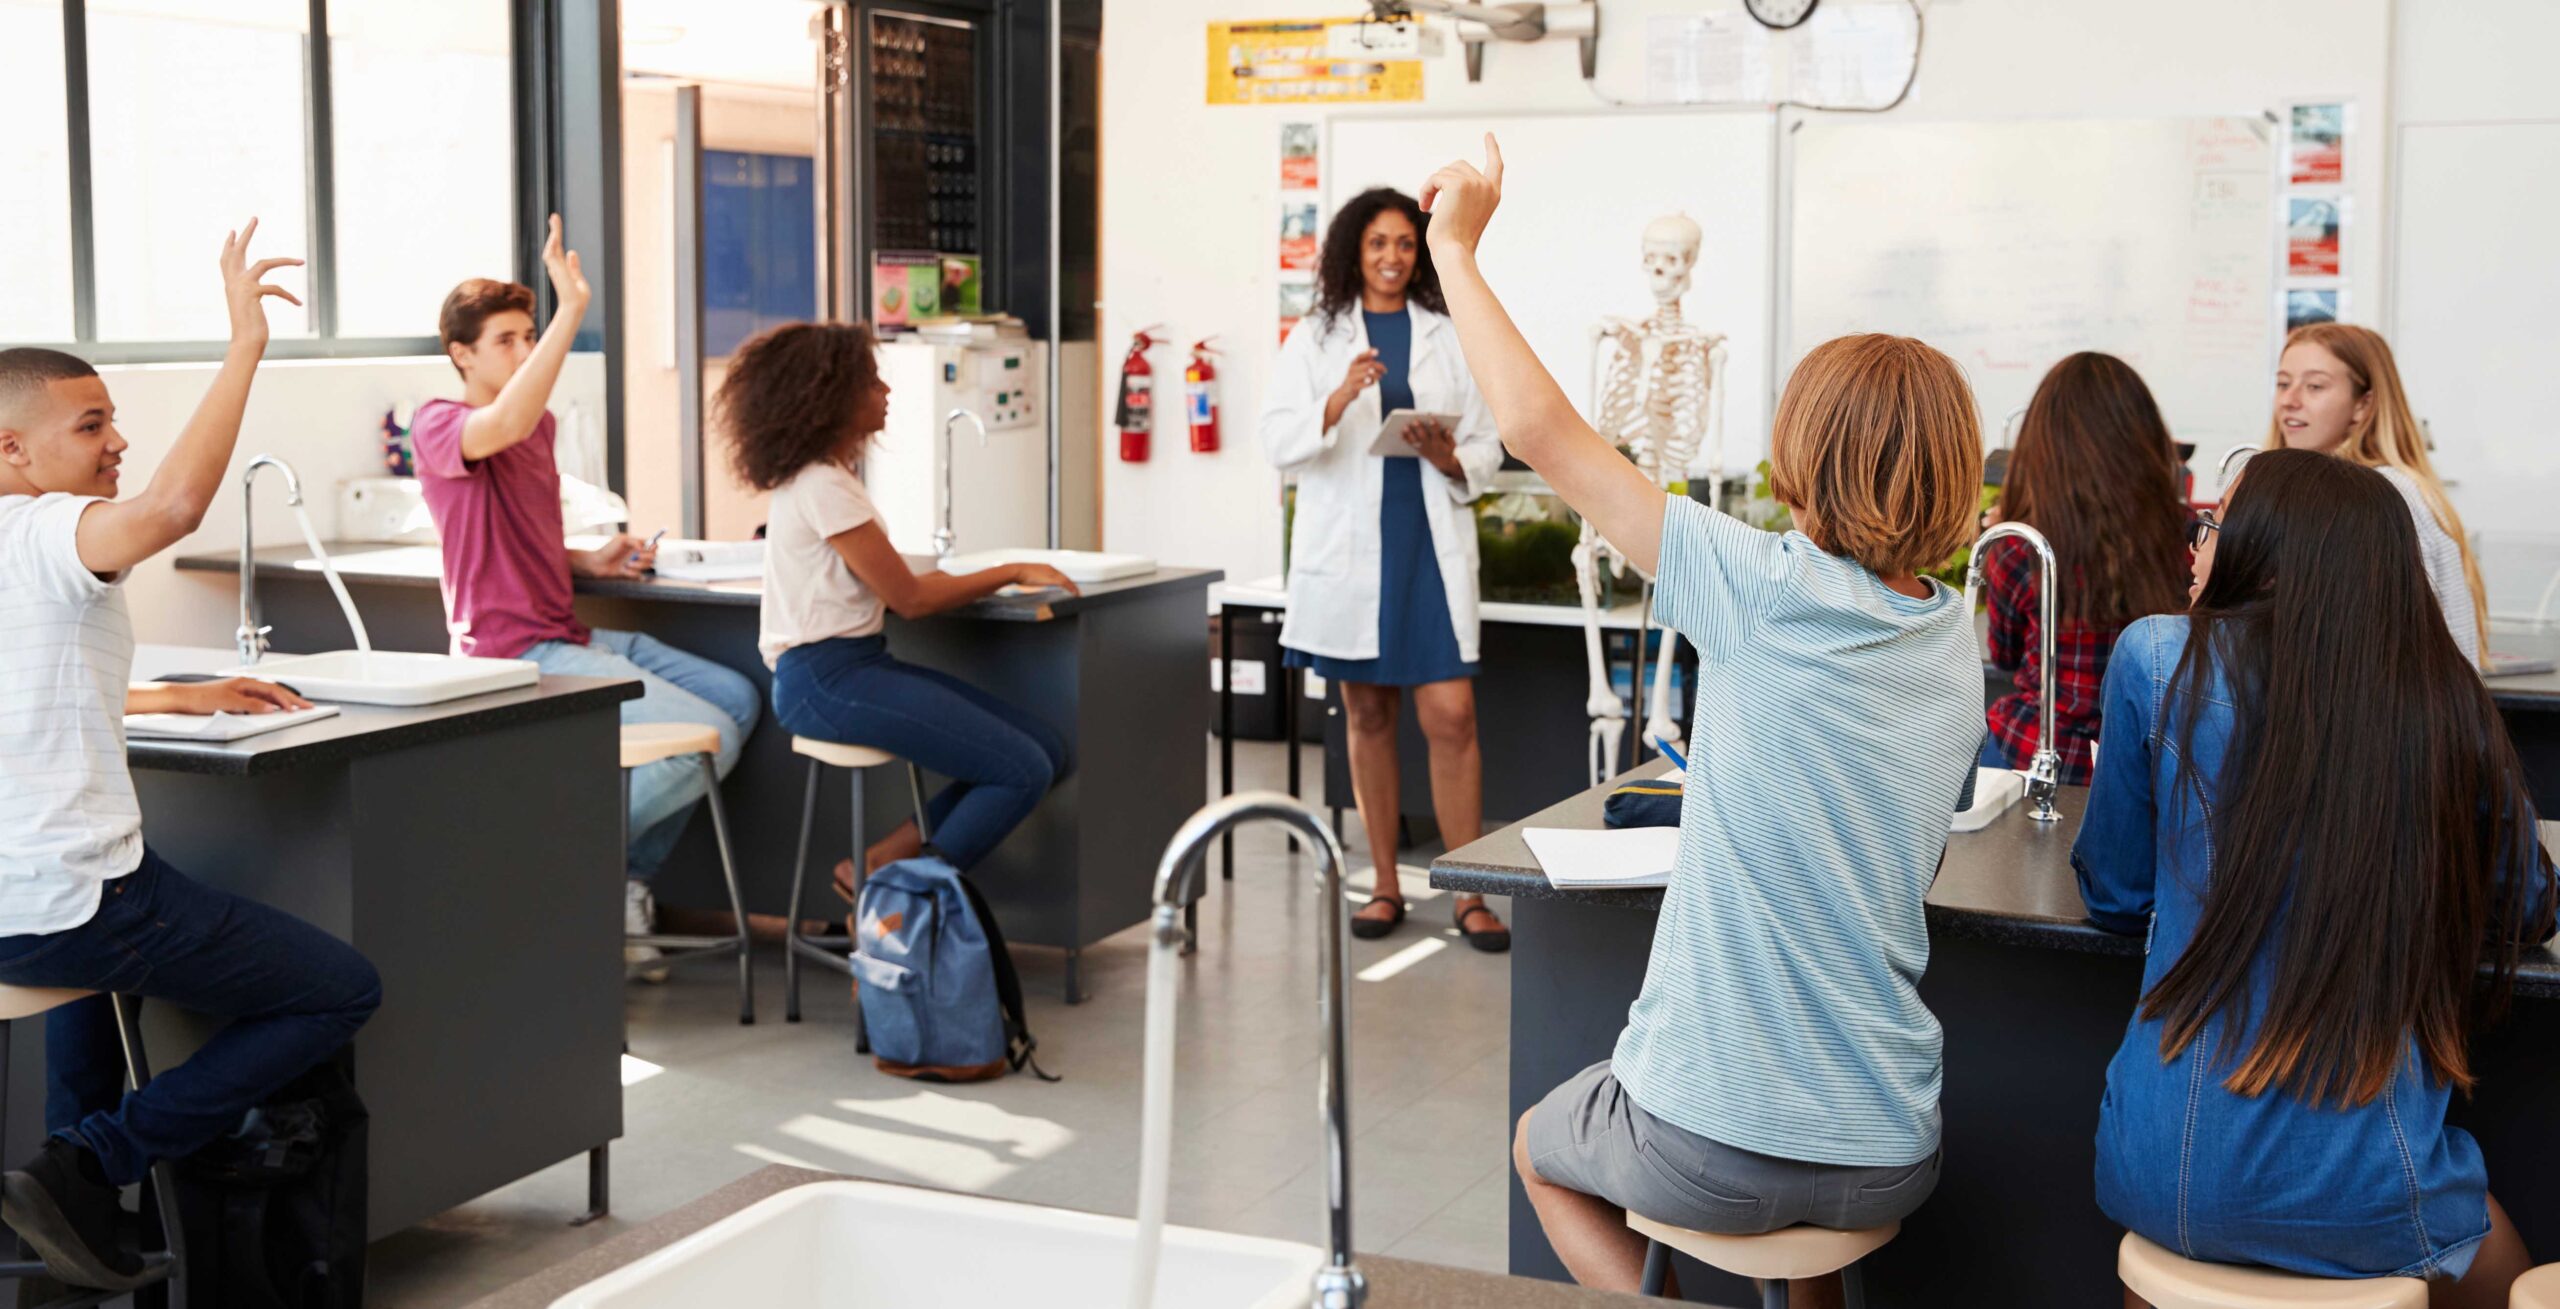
{"x": 217, "y": 728}
{"x": 1623, "y": 857}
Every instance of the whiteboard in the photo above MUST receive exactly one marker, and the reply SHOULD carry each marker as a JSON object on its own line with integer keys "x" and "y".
{"x": 1567, "y": 247}
{"x": 2011, "y": 244}
{"x": 2475, "y": 332}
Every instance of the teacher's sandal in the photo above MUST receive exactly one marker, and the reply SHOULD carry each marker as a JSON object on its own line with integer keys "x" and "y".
{"x": 1491, "y": 940}
{"x": 1370, "y": 929}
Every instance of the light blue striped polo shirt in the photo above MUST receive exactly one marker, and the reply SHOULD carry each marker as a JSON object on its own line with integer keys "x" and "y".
{"x": 1835, "y": 723}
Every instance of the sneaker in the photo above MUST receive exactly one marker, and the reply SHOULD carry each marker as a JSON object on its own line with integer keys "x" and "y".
{"x": 640, "y": 918}
{"x": 61, "y": 1204}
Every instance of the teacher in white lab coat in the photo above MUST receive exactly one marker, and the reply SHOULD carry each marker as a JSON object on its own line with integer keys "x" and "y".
{"x": 1382, "y": 560}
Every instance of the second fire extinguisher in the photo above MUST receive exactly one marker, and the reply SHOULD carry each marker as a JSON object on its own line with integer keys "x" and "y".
{"x": 1200, "y": 397}
{"x": 1136, "y": 417}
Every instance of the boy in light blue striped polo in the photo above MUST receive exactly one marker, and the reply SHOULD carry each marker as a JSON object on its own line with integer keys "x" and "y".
{"x": 1778, "y": 1067}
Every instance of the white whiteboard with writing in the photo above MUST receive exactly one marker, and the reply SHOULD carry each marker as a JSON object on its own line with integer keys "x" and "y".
{"x": 2011, "y": 244}
{"x": 1567, "y": 247}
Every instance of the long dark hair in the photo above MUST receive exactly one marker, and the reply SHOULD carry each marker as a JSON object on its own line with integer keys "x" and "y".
{"x": 1338, "y": 268}
{"x": 2096, "y": 472}
{"x": 789, "y": 398}
{"x": 2369, "y": 795}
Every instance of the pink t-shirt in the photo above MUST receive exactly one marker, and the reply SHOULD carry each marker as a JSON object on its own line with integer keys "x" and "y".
{"x": 506, "y": 564}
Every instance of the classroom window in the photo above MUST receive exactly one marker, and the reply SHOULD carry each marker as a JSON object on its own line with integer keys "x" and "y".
{"x": 35, "y": 155}
{"x": 422, "y": 114}
{"x": 196, "y": 125}
{"x": 373, "y": 138}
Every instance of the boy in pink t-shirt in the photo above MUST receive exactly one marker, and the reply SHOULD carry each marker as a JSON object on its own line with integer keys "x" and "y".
{"x": 487, "y": 468}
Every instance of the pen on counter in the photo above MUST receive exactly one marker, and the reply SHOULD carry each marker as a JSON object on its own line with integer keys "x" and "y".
{"x": 1668, "y": 753}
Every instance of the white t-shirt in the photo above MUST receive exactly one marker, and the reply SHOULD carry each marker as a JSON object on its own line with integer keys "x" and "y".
{"x": 809, "y": 594}
{"x": 69, "y": 822}
{"x": 2442, "y": 556}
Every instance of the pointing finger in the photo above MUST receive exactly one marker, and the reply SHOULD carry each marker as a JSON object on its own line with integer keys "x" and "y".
{"x": 1492, "y": 160}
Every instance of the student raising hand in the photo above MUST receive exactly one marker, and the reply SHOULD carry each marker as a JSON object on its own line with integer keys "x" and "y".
{"x": 1461, "y": 199}
{"x": 245, "y": 288}
{"x": 568, "y": 278}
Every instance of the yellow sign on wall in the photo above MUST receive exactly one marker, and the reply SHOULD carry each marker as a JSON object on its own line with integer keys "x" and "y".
{"x": 1302, "y": 62}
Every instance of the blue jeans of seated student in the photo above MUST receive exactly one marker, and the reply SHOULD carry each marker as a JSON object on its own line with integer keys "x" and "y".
{"x": 681, "y": 688}
{"x": 1000, "y": 759}
{"x": 293, "y": 994}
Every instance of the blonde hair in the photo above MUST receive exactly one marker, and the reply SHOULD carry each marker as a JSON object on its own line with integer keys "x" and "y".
{"x": 2388, "y": 436}
{"x": 1878, "y": 449}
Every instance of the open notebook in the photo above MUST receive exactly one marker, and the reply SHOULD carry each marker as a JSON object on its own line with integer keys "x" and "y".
{"x": 1609, "y": 857}
{"x": 218, "y": 728}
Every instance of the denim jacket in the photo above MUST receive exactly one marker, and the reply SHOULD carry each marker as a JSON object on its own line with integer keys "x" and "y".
{"x": 2377, "y": 1189}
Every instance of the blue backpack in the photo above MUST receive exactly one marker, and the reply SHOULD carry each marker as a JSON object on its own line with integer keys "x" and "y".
{"x": 940, "y": 1000}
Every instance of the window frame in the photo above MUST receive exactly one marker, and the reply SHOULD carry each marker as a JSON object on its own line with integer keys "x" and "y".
{"x": 320, "y": 169}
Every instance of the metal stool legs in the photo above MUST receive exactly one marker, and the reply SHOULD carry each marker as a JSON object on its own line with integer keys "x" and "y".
{"x": 1773, "y": 1291}
{"x": 1657, "y": 1268}
{"x": 681, "y": 948}
{"x": 170, "y": 1261}
{"x": 796, "y": 945}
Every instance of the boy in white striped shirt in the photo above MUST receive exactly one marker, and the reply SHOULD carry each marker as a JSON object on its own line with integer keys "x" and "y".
{"x": 1778, "y": 1067}
{"x": 84, "y": 905}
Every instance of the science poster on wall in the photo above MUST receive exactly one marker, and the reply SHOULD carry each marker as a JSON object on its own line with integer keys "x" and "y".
{"x": 1300, "y": 62}
{"x": 2316, "y": 144}
{"x": 2311, "y": 235}
{"x": 1300, "y": 214}
{"x": 2305, "y": 305}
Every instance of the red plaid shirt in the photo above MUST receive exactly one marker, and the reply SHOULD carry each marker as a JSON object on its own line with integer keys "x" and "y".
{"x": 2080, "y": 653}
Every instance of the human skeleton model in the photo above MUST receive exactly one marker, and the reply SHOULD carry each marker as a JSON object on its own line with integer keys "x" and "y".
{"x": 1664, "y": 398}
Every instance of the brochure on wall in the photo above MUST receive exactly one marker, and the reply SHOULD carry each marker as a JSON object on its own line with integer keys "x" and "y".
{"x": 1293, "y": 62}
{"x": 2316, "y": 144}
{"x": 2313, "y": 207}
{"x": 2311, "y": 235}
{"x": 2304, "y": 305}
{"x": 1301, "y": 216}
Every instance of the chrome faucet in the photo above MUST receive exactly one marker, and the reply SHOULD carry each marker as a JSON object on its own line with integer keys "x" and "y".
{"x": 942, "y": 536}
{"x": 251, "y": 639}
{"x": 1338, "y": 1284}
{"x": 2232, "y": 456}
{"x": 2044, "y": 775}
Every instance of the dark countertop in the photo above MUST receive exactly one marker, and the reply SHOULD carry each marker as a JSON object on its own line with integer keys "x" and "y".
{"x": 359, "y": 730}
{"x": 278, "y": 562}
{"x": 1393, "y": 1283}
{"x": 2009, "y": 883}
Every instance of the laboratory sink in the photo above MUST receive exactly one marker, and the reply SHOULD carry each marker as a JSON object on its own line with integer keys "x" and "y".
{"x": 1083, "y": 567}
{"x": 870, "y": 1245}
{"x": 388, "y": 677}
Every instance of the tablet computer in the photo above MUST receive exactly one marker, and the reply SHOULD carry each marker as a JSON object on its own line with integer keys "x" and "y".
{"x": 1391, "y": 442}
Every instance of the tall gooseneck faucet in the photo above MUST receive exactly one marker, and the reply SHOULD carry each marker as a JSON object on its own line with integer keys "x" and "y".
{"x": 1338, "y": 1284}
{"x": 2234, "y": 455}
{"x": 251, "y": 639}
{"x": 2044, "y": 776}
{"x": 942, "y": 536}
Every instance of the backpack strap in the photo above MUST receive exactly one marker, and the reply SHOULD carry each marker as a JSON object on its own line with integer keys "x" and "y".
{"x": 1019, "y": 1043}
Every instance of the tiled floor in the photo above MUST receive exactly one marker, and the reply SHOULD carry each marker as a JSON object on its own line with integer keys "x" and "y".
{"x": 715, "y": 1100}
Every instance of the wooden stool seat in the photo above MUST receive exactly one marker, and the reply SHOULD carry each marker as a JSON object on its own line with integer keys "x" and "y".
{"x": 838, "y": 755}
{"x": 2170, "y": 1282}
{"x": 647, "y": 743}
{"x": 18, "y": 1002}
{"x": 1782, "y": 1255}
{"x": 2539, "y": 1289}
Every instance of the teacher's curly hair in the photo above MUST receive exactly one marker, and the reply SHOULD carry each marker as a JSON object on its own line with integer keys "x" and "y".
{"x": 789, "y": 399}
{"x": 1338, "y": 267}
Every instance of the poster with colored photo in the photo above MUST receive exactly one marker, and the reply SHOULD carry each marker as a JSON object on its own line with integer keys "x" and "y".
{"x": 1297, "y": 235}
{"x": 2304, "y": 306}
{"x": 1298, "y": 157}
{"x": 2311, "y": 236}
{"x": 1292, "y": 62}
{"x": 1297, "y": 300}
{"x": 2315, "y": 145}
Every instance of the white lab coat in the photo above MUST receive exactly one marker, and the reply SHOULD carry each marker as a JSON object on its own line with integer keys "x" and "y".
{"x": 1334, "y": 549}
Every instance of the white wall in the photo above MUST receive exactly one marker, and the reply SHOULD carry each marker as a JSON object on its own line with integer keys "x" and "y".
{"x": 1190, "y": 192}
{"x": 323, "y": 417}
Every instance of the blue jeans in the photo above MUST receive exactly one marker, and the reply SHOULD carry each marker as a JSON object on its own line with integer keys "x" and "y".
{"x": 681, "y": 688}
{"x": 1000, "y": 759}
{"x": 294, "y": 994}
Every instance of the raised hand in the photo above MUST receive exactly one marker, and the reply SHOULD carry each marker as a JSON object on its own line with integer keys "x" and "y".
{"x": 1461, "y": 199}
{"x": 245, "y": 288}
{"x": 568, "y": 280}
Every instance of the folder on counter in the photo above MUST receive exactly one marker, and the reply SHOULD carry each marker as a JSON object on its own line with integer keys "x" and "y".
{"x": 1619, "y": 858}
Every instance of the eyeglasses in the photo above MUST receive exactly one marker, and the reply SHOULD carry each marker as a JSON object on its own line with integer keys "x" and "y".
{"x": 2202, "y": 525}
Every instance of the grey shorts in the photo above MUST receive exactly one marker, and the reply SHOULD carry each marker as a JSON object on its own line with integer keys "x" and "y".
{"x": 1588, "y": 1135}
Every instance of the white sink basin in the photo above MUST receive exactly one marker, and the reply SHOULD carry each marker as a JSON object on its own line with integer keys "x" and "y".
{"x": 1083, "y": 567}
{"x": 866, "y": 1245}
{"x": 390, "y": 677}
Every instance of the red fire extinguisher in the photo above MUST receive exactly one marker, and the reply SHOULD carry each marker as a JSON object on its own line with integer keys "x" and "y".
{"x": 1200, "y": 396}
{"x": 1137, "y": 413}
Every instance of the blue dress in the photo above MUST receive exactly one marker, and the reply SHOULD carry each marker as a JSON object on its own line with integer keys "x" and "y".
{"x": 2385, "y": 1188}
{"x": 1416, "y": 642}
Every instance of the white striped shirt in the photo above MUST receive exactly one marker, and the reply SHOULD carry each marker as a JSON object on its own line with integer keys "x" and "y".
{"x": 2442, "y": 557}
{"x": 69, "y": 822}
{"x": 1835, "y": 723}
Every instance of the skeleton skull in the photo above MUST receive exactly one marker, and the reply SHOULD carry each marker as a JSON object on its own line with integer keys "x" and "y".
{"x": 1670, "y": 252}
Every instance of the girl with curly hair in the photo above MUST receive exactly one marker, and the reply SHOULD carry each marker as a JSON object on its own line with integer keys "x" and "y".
{"x": 800, "y": 405}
